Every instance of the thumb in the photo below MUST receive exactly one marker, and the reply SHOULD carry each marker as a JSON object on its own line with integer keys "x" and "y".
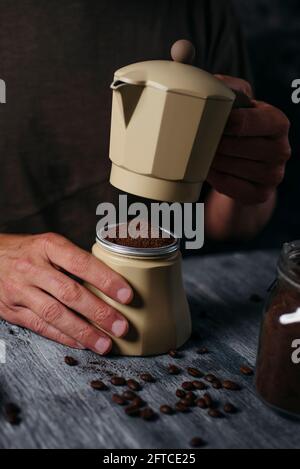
{"x": 237, "y": 84}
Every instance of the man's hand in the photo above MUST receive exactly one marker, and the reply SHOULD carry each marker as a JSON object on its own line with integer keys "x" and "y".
{"x": 36, "y": 293}
{"x": 251, "y": 158}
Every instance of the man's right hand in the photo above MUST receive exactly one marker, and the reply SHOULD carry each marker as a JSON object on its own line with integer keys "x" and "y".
{"x": 37, "y": 293}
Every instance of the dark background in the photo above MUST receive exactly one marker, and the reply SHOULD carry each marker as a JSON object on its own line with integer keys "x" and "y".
{"x": 272, "y": 31}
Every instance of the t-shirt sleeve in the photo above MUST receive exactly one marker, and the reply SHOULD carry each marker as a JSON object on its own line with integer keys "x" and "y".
{"x": 222, "y": 47}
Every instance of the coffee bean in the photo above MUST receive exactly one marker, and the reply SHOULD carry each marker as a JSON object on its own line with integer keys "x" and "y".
{"x": 215, "y": 413}
{"x": 188, "y": 402}
{"x": 191, "y": 395}
{"x": 174, "y": 370}
{"x": 201, "y": 403}
{"x": 231, "y": 385}
{"x": 217, "y": 384}
{"x": 210, "y": 378}
{"x": 246, "y": 370}
{"x": 12, "y": 413}
{"x": 230, "y": 408}
{"x": 148, "y": 378}
{"x": 98, "y": 385}
{"x": 180, "y": 393}
{"x": 148, "y": 414}
{"x": 134, "y": 385}
{"x": 256, "y": 298}
{"x": 117, "y": 399}
{"x": 118, "y": 381}
{"x": 70, "y": 361}
{"x": 138, "y": 402}
{"x": 166, "y": 409}
{"x": 202, "y": 351}
{"x": 199, "y": 385}
{"x": 174, "y": 354}
{"x": 133, "y": 411}
{"x": 195, "y": 372}
{"x": 181, "y": 407}
{"x": 129, "y": 395}
{"x": 208, "y": 400}
{"x": 197, "y": 443}
{"x": 188, "y": 386}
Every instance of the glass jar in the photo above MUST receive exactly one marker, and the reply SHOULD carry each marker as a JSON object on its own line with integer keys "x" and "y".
{"x": 159, "y": 317}
{"x": 278, "y": 362}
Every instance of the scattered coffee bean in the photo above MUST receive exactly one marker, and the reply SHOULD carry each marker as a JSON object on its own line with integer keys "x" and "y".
{"x": 197, "y": 443}
{"x": 174, "y": 370}
{"x": 166, "y": 409}
{"x": 230, "y": 408}
{"x": 133, "y": 411}
{"x": 199, "y": 385}
{"x": 117, "y": 399}
{"x": 180, "y": 393}
{"x": 195, "y": 372}
{"x": 70, "y": 361}
{"x": 188, "y": 402}
{"x": 208, "y": 400}
{"x": 148, "y": 414}
{"x": 188, "y": 386}
{"x": 231, "y": 385}
{"x": 12, "y": 413}
{"x": 215, "y": 413}
{"x": 202, "y": 351}
{"x": 246, "y": 370}
{"x": 201, "y": 403}
{"x": 134, "y": 385}
{"x": 129, "y": 395}
{"x": 118, "y": 381}
{"x": 210, "y": 378}
{"x": 175, "y": 354}
{"x": 138, "y": 402}
{"x": 191, "y": 395}
{"x": 148, "y": 378}
{"x": 99, "y": 385}
{"x": 256, "y": 298}
{"x": 181, "y": 407}
{"x": 217, "y": 384}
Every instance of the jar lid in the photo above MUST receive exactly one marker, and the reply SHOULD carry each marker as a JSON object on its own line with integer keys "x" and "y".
{"x": 289, "y": 263}
{"x": 131, "y": 251}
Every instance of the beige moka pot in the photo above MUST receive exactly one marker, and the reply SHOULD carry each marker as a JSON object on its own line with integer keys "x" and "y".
{"x": 167, "y": 122}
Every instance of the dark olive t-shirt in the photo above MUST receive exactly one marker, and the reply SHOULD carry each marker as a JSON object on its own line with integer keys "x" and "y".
{"x": 58, "y": 59}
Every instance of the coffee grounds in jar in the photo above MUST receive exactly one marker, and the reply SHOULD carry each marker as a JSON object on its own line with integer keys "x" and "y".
{"x": 277, "y": 377}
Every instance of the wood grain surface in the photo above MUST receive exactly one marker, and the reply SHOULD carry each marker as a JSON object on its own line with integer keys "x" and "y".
{"x": 61, "y": 410}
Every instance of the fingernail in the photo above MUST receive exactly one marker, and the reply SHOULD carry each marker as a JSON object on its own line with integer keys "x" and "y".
{"x": 124, "y": 295}
{"x": 103, "y": 345}
{"x": 119, "y": 328}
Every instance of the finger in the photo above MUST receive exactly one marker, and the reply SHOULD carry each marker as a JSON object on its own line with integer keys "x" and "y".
{"x": 257, "y": 148}
{"x": 85, "y": 266}
{"x": 237, "y": 84}
{"x": 263, "y": 120}
{"x": 252, "y": 171}
{"x": 67, "y": 322}
{"x": 243, "y": 191}
{"x": 29, "y": 320}
{"x": 78, "y": 298}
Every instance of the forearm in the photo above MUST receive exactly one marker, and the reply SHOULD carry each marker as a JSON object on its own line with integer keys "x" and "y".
{"x": 227, "y": 219}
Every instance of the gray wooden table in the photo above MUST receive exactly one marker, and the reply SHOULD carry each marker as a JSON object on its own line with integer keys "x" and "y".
{"x": 60, "y": 410}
